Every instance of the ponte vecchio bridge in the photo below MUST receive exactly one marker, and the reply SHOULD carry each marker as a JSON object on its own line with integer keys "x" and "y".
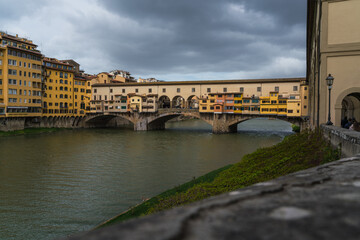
{"x": 149, "y": 105}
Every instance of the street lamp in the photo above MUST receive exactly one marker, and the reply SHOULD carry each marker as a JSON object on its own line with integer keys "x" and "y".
{"x": 329, "y": 82}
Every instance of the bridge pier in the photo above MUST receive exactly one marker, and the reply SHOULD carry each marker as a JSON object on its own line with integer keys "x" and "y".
{"x": 143, "y": 125}
{"x": 221, "y": 124}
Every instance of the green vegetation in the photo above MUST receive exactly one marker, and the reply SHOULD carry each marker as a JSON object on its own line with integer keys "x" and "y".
{"x": 29, "y": 131}
{"x": 296, "y": 152}
{"x": 295, "y": 128}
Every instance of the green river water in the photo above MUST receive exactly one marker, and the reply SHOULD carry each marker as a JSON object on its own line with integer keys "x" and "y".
{"x": 56, "y": 184}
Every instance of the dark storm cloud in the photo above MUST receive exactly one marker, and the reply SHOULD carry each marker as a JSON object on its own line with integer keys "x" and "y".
{"x": 212, "y": 35}
{"x": 168, "y": 39}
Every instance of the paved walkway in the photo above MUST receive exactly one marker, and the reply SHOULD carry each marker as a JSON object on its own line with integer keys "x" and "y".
{"x": 318, "y": 203}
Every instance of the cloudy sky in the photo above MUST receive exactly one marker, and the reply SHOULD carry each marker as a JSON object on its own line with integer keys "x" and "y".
{"x": 167, "y": 39}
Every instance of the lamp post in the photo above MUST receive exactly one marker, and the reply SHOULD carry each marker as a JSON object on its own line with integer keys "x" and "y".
{"x": 329, "y": 82}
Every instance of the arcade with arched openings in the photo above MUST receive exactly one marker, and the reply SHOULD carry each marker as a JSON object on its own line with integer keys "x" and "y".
{"x": 178, "y": 102}
{"x": 348, "y": 105}
{"x": 192, "y": 102}
{"x": 164, "y": 102}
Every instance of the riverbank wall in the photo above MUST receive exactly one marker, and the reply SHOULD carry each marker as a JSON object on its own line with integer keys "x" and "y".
{"x": 21, "y": 123}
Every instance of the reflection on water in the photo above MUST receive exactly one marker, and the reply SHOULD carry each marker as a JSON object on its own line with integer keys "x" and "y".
{"x": 56, "y": 184}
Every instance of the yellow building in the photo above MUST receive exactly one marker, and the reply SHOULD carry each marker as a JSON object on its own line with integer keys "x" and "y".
{"x": 58, "y": 95}
{"x": 135, "y": 102}
{"x": 81, "y": 80}
{"x": 238, "y": 98}
{"x": 294, "y": 106}
{"x": 269, "y": 104}
{"x": 81, "y": 98}
{"x": 20, "y": 77}
{"x": 104, "y": 77}
{"x": 282, "y": 106}
{"x": 250, "y": 105}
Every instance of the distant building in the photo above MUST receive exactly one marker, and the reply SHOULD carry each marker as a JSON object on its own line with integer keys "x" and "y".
{"x": 115, "y": 76}
{"x": 20, "y": 77}
{"x": 120, "y": 76}
{"x": 148, "y": 80}
{"x": 76, "y": 66}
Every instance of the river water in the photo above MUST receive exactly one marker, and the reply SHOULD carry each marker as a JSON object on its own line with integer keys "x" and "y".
{"x": 56, "y": 184}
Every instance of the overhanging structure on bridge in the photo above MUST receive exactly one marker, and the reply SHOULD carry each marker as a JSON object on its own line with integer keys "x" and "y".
{"x": 150, "y": 105}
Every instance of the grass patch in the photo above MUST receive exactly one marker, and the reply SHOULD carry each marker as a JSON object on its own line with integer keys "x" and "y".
{"x": 296, "y": 152}
{"x": 295, "y": 128}
{"x": 29, "y": 131}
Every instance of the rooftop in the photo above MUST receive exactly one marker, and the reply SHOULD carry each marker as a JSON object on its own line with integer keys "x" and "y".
{"x": 200, "y": 82}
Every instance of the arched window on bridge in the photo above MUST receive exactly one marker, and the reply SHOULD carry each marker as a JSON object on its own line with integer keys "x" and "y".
{"x": 178, "y": 102}
{"x": 193, "y": 102}
{"x": 164, "y": 102}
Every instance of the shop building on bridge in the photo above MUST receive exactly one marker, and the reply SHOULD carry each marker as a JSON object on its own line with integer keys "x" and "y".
{"x": 250, "y": 100}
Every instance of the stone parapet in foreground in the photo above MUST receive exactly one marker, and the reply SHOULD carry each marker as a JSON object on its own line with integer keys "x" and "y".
{"x": 318, "y": 203}
{"x": 347, "y": 140}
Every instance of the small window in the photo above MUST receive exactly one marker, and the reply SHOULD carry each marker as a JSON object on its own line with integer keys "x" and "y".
{"x": 225, "y": 89}
{"x": 208, "y": 90}
{"x": 178, "y": 90}
{"x": 150, "y": 90}
{"x": 295, "y": 88}
{"x": 164, "y": 90}
{"x": 305, "y": 97}
{"x": 241, "y": 89}
{"x": 136, "y": 90}
{"x": 193, "y": 90}
{"x": 123, "y": 90}
{"x": 276, "y": 89}
{"x": 111, "y": 90}
{"x": 259, "y": 89}
{"x": 95, "y": 91}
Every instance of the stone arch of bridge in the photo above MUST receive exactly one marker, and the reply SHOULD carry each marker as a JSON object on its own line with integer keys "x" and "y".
{"x": 235, "y": 122}
{"x": 75, "y": 121}
{"x": 103, "y": 118}
{"x": 163, "y": 118}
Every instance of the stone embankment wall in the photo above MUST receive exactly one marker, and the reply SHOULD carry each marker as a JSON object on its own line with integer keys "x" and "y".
{"x": 347, "y": 140}
{"x": 13, "y": 124}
